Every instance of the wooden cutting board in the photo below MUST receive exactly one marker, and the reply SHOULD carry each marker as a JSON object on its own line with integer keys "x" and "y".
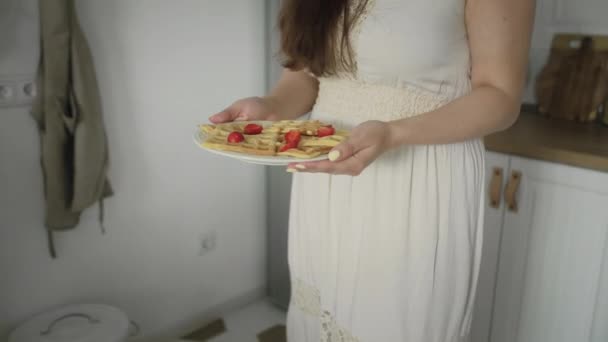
{"x": 574, "y": 82}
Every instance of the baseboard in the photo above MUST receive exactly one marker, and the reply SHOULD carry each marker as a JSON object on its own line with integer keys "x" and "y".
{"x": 205, "y": 317}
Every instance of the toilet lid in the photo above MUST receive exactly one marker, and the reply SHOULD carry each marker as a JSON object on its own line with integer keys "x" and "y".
{"x": 77, "y": 323}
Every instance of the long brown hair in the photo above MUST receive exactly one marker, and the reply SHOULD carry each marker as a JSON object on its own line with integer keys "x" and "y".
{"x": 315, "y": 34}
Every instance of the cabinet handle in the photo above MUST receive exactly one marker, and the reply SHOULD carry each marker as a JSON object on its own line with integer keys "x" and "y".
{"x": 511, "y": 190}
{"x": 496, "y": 187}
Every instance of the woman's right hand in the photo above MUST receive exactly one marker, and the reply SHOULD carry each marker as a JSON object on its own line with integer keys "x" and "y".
{"x": 248, "y": 109}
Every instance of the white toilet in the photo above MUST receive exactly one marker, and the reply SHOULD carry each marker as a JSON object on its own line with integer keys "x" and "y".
{"x": 75, "y": 323}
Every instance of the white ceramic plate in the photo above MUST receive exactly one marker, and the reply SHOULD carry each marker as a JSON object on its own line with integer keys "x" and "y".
{"x": 199, "y": 138}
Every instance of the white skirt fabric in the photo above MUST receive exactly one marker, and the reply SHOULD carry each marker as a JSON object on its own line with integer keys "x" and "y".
{"x": 393, "y": 254}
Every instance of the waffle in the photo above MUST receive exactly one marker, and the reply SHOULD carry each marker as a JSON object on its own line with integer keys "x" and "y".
{"x": 256, "y": 146}
{"x": 308, "y": 127}
{"x": 223, "y": 130}
{"x": 271, "y": 140}
{"x": 329, "y": 141}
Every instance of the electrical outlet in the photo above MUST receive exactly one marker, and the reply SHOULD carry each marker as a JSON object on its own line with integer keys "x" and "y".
{"x": 17, "y": 90}
{"x": 7, "y": 93}
{"x": 26, "y": 91}
{"x": 207, "y": 242}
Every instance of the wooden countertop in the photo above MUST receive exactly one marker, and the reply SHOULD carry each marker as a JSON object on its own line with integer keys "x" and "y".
{"x": 537, "y": 137}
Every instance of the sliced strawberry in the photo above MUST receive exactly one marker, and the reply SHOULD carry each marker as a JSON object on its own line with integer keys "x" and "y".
{"x": 293, "y": 136}
{"x": 326, "y": 131}
{"x": 253, "y": 129}
{"x": 288, "y": 146}
{"x": 235, "y": 137}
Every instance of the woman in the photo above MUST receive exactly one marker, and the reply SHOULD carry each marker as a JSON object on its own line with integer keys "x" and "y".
{"x": 385, "y": 237}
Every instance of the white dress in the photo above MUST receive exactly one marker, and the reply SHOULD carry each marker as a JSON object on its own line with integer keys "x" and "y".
{"x": 393, "y": 254}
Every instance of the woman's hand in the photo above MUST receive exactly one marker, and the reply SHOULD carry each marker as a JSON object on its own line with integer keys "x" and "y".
{"x": 365, "y": 143}
{"x": 247, "y": 109}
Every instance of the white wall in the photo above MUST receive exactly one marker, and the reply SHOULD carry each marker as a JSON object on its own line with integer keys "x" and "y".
{"x": 163, "y": 67}
{"x": 568, "y": 16}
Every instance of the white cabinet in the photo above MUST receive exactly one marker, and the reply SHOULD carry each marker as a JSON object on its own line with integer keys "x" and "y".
{"x": 545, "y": 278}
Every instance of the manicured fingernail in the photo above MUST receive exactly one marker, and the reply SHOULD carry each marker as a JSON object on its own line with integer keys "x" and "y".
{"x": 300, "y": 166}
{"x": 291, "y": 170}
{"x": 334, "y": 155}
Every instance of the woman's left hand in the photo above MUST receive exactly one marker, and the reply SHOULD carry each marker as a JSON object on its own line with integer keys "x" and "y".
{"x": 365, "y": 143}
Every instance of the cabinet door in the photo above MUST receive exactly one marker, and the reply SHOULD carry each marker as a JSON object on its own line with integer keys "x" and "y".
{"x": 552, "y": 271}
{"x": 497, "y": 166}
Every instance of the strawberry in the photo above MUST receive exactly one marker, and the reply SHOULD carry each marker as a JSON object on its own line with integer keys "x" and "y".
{"x": 288, "y": 146}
{"x": 235, "y": 137}
{"x": 326, "y": 131}
{"x": 293, "y": 136}
{"x": 253, "y": 129}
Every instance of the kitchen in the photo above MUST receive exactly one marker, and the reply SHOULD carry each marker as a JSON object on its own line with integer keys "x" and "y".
{"x": 544, "y": 274}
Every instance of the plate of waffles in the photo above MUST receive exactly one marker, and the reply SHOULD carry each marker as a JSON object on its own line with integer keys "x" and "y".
{"x": 270, "y": 143}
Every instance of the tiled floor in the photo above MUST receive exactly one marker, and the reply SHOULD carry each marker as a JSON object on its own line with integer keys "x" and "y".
{"x": 244, "y": 324}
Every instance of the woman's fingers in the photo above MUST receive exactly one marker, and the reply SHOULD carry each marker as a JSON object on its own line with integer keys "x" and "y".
{"x": 353, "y": 165}
{"x": 221, "y": 117}
{"x": 364, "y": 145}
{"x": 346, "y": 167}
{"x": 344, "y": 150}
{"x": 342, "y": 160}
